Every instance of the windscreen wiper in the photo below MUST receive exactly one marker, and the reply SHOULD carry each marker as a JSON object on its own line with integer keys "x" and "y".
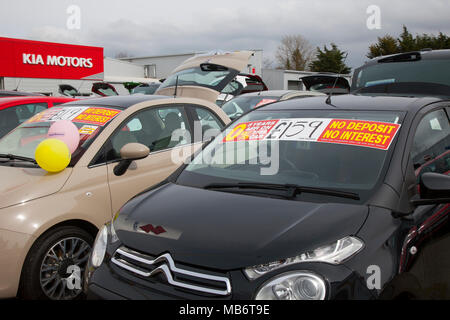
{"x": 291, "y": 189}
{"x": 15, "y": 157}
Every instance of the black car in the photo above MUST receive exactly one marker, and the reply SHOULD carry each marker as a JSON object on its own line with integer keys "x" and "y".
{"x": 332, "y": 209}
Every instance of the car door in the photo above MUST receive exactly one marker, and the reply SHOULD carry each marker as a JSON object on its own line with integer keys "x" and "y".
{"x": 166, "y": 131}
{"x": 205, "y": 123}
{"x": 428, "y": 254}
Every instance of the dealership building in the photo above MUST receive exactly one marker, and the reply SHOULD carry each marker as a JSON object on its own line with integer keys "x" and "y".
{"x": 161, "y": 66}
{"x": 46, "y": 67}
{"x": 37, "y": 66}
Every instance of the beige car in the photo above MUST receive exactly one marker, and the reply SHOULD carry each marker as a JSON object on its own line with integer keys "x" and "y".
{"x": 48, "y": 221}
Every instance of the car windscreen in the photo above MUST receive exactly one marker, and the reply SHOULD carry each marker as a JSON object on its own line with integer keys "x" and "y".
{"x": 90, "y": 121}
{"x": 145, "y": 89}
{"x": 240, "y": 105}
{"x": 432, "y": 71}
{"x": 344, "y": 151}
{"x": 322, "y": 82}
{"x": 104, "y": 89}
{"x": 216, "y": 80}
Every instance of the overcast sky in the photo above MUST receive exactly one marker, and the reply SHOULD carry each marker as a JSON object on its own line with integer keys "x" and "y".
{"x": 148, "y": 27}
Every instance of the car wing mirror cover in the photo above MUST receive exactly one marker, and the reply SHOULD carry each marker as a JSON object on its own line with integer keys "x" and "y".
{"x": 129, "y": 153}
{"x": 434, "y": 189}
{"x": 134, "y": 151}
{"x": 434, "y": 185}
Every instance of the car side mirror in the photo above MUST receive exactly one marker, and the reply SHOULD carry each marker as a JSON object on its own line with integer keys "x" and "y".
{"x": 129, "y": 153}
{"x": 434, "y": 189}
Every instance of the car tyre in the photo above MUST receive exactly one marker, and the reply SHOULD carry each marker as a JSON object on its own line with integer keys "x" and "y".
{"x": 51, "y": 256}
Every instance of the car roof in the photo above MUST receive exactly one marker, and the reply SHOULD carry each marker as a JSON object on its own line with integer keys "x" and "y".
{"x": 353, "y": 102}
{"x": 272, "y": 93}
{"x": 10, "y": 100}
{"x": 149, "y": 84}
{"x": 424, "y": 54}
{"x": 117, "y": 101}
{"x": 13, "y": 93}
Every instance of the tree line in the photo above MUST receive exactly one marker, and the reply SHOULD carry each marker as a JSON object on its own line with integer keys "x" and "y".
{"x": 296, "y": 53}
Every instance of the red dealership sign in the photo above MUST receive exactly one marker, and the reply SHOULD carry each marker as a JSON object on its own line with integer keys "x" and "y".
{"x": 36, "y": 59}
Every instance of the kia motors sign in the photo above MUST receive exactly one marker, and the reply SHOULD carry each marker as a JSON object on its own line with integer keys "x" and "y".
{"x": 36, "y": 59}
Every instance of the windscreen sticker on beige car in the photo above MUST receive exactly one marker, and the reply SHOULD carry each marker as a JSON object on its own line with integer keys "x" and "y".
{"x": 372, "y": 134}
{"x": 96, "y": 116}
{"x": 88, "y": 129}
{"x": 89, "y": 115}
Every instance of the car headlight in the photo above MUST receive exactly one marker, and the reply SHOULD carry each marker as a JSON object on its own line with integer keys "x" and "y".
{"x": 114, "y": 237}
{"x": 297, "y": 285}
{"x": 334, "y": 253}
{"x": 99, "y": 250}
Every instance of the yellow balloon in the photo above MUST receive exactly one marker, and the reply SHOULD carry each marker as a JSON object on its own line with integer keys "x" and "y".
{"x": 52, "y": 155}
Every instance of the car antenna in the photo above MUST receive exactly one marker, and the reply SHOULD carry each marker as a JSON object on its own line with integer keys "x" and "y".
{"x": 328, "y": 100}
{"x": 176, "y": 88}
{"x": 225, "y": 99}
{"x": 18, "y": 84}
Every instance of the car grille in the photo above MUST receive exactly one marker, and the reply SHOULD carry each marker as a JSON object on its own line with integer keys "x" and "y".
{"x": 146, "y": 266}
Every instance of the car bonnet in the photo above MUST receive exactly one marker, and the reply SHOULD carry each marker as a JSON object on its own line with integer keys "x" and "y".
{"x": 228, "y": 231}
{"x": 19, "y": 185}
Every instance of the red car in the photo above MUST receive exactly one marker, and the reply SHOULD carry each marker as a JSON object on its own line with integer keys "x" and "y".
{"x": 15, "y": 110}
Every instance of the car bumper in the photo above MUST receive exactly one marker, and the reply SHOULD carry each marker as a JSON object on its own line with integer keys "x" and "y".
{"x": 109, "y": 282}
{"x": 13, "y": 248}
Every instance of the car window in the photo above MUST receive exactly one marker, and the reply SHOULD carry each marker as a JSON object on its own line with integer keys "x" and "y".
{"x": 89, "y": 121}
{"x": 57, "y": 103}
{"x": 209, "y": 123}
{"x": 286, "y": 147}
{"x": 8, "y": 121}
{"x": 26, "y": 111}
{"x": 233, "y": 88}
{"x": 145, "y": 89}
{"x": 423, "y": 71}
{"x": 216, "y": 79}
{"x": 14, "y": 116}
{"x": 431, "y": 147}
{"x": 153, "y": 128}
{"x": 108, "y": 91}
{"x": 239, "y": 105}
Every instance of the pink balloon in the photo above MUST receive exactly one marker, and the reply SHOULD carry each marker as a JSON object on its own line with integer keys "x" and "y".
{"x": 65, "y": 131}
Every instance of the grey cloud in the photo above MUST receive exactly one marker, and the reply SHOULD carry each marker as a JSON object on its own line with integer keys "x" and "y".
{"x": 155, "y": 27}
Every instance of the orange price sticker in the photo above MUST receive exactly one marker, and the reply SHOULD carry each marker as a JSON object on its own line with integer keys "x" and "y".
{"x": 96, "y": 116}
{"x": 254, "y": 130}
